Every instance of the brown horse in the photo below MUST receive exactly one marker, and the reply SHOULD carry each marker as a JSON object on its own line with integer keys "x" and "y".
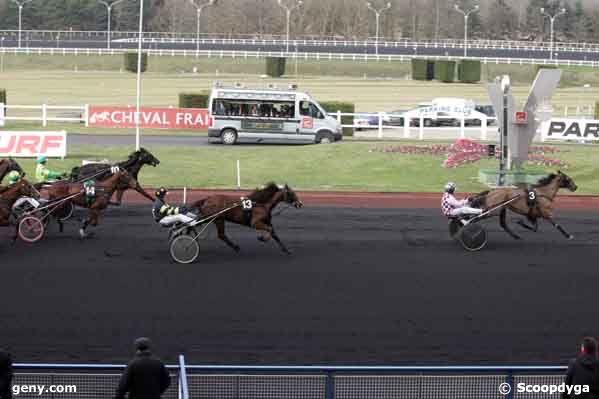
{"x": 534, "y": 202}
{"x": 10, "y": 195}
{"x": 259, "y": 217}
{"x": 103, "y": 191}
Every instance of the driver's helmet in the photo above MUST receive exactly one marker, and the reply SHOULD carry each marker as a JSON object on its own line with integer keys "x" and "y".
{"x": 14, "y": 177}
{"x": 161, "y": 193}
{"x": 450, "y": 187}
{"x": 42, "y": 159}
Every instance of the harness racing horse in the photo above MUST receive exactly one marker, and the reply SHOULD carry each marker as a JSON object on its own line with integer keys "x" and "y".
{"x": 96, "y": 203}
{"x": 132, "y": 165}
{"x": 258, "y": 217}
{"x": 535, "y": 202}
{"x": 7, "y": 166}
{"x": 9, "y": 196}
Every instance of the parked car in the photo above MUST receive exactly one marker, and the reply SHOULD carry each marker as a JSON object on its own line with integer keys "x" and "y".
{"x": 394, "y": 118}
{"x": 365, "y": 121}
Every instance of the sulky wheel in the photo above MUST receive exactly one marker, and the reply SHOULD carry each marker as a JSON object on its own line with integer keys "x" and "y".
{"x": 31, "y": 229}
{"x": 185, "y": 249}
{"x": 473, "y": 237}
{"x": 454, "y": 227}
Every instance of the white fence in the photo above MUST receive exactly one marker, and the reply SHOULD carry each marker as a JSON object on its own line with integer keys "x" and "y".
{"x": 293, "y": 55}
{"x": 46, "y": 113}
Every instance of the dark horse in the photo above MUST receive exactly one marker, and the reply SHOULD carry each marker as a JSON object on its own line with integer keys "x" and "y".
{"x": 9, "y": 196}
{"x": 535, "y": 202}
{"x": 104, "y": 189}
{"x": 7, "y": 166}
{"x": 259, "y": 217}
{"x": 132, "y": 165}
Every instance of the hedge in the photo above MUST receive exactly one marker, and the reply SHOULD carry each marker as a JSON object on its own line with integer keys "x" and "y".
{"x": 469, "y": 71}
{"x": 275, "y": 66}
{"x": 445, "y": 71}
{"x": 194, "y": 100}
{"x": 333, "y": 106}
{"x": 423, "y": 69}
{"x": 131, "y": 62}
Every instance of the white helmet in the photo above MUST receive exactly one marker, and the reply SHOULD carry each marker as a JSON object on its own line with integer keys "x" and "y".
{"x": 450, "y": 187}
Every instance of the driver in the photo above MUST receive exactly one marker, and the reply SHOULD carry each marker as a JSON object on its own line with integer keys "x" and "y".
{"x": 166, "y": 214}
{"x": 452, "y": 207}
{"x": 13, "y": 177}
{"x": 45, "y": 175}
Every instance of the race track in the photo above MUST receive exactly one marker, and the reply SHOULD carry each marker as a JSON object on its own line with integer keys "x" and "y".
{"x": 364, "y": 286}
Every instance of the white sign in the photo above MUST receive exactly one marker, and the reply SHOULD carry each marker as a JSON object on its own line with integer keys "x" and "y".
{"x": 1, "y": 114}
{"x": 570, "y": 129}
{"x": 32, "y": 144}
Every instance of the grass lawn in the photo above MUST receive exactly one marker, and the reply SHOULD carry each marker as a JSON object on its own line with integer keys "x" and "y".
{"x": 341, "y": 166}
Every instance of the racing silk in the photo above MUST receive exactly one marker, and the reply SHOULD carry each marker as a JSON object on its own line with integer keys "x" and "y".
{"x": 42, "y": 173}
{"x": 162, "y": 209}
{"x": 449, "y": 202}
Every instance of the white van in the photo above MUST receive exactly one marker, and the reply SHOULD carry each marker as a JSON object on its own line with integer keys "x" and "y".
{"x": 238, "y": 115}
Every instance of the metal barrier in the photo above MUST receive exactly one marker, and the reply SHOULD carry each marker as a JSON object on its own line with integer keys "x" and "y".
{"x": 84, "y": 381}
{"x": 305, "y": 382}
{"x": 45, "y": 113}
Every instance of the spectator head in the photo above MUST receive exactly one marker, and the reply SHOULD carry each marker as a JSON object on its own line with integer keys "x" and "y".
{"x": 142, "y": 344}
{"x": 589, "y": 346}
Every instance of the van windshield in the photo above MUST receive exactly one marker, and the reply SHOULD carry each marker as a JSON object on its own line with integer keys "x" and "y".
{"x": 253, "y": 108}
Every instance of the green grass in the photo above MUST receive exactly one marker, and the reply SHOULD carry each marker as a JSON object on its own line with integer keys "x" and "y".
{"x": 342, "y": 166}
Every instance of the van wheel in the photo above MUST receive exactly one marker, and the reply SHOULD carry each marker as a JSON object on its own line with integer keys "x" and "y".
{"x": 228, "y": 136}
{"x": 325, "y": 138}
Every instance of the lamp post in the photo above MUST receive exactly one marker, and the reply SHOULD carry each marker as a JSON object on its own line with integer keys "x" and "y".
{"x": 552, "y": 20}
{"x": 288, "y": 10}
{"x": 20, "y": 4}
{"x": 377, "y": 14}
{"x": 466, "y": 16}
{"x": 109, "y": 11}
{"x": 199, "y": 8}
{"x": 139, "y": 48}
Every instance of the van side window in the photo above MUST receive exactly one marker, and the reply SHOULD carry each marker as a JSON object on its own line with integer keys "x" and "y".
{"x": 311, "y": 110}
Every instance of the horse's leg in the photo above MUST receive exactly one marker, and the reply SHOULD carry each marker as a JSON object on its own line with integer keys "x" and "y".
{"x": 92, "y": 219}
{"x": 278, "y": 241}
{"x": 119, "y": 198}
{"x": 220, "y": 228}
{"x": 534, "y": 227}
{"x": 561, "y": 229}
{"x": 504, "y": 226}
{"x": 266, "y": 230}
{"x": 84, "y": 224}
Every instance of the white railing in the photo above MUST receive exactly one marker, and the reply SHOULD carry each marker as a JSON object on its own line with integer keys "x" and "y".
{"x": 295, "y": 55}
{"x": 33, "y": 35}
{"x": 46, "y": 113}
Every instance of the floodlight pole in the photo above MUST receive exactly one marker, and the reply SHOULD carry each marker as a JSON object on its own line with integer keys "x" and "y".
{"x": 20, "y": 4}
{"x": 377, "y": 14}
{"x": 199, "y": 8}
{"x": 288, "y": 11}
{"x": 552, "y": 22}
{"x": 503, "y": 138}
{"x": 139, "y": 48}
{"x": 466, "y": 16}
{"x": 109, "y": 12}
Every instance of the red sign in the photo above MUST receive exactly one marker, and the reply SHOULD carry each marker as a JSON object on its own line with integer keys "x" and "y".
{"x": 307, "y": 123}
{"x": 521, "y": 117}
{"x": 31, "y": 144}
{"x": 156, "y": 118}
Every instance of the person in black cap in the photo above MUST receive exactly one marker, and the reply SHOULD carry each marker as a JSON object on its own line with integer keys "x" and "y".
{"x": 5, "y": 375}
{"x": 146, "y": 376}
{"x": 584, "y": 370}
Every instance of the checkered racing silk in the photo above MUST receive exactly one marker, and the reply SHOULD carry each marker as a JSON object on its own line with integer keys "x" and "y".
{"x": 448, "y": 203}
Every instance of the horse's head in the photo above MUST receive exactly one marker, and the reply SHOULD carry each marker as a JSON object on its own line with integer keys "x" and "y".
{"x": 25, "y": 189}
{"x": 147, "y": 158}
{"x": 566, "y": 181}
{"x": 290, "y": 197}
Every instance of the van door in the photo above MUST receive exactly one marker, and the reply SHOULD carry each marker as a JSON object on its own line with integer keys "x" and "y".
{"x": 311, "y": 119}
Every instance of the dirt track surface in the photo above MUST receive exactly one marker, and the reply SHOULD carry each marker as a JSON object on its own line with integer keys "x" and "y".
{"x": 364, "y": 286}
